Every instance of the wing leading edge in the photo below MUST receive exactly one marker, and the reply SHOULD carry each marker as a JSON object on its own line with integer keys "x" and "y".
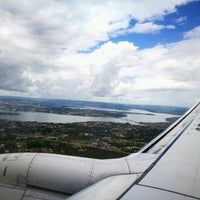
{"x": 175, "y": 174}
{"x": 167, "y": 168}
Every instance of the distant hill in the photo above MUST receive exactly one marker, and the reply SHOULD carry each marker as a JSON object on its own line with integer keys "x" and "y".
{"x": 79, "y": 104}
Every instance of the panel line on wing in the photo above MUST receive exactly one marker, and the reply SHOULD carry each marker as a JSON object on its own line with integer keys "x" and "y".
{"x": 166, "y": 190}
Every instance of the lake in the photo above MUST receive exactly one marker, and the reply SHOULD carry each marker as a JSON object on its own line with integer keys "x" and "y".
{"x": 133, "y": 117}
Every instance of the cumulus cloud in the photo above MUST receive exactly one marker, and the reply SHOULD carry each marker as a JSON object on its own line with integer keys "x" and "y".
{"x": 50, "y": 25}
{"x": 41, "y": 41}
{"x": 122, "y": 72}
{"x": 13, "y": 79}
{"x": 169, "y": 71}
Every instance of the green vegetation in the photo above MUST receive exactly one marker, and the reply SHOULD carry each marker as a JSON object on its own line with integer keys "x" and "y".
{"x": 88, "y": 139}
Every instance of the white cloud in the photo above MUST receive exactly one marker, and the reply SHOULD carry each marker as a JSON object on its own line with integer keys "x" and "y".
{"x": 164, "y": 74}
{"x": 32, "y": 61}
{"x": 49, "y": 25}
{"x": 149, "y": 27}
{"x": 194, "y": 33}
{"x": 181, "y": 20}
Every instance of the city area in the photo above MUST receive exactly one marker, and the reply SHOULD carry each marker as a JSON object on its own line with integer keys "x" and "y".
{"x": 96, "y": 139}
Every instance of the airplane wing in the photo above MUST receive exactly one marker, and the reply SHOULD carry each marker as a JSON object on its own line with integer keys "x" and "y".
{"x": 166, "y": 168}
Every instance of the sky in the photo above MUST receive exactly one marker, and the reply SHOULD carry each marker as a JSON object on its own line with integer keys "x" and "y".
{"x": 130, "y": 51}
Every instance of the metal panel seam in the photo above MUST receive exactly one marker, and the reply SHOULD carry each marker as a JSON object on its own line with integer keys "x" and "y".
{"x": 127, "y": 165}
{"x": 27, "y": 175}
{"x": 91, "y": 172}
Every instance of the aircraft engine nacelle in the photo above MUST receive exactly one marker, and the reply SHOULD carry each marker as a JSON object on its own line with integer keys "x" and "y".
{"x": 61, "y": 173}
{"x": 37, "y": 175}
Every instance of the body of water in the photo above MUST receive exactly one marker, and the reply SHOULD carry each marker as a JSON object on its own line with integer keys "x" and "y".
{"x": 132, "y": 117}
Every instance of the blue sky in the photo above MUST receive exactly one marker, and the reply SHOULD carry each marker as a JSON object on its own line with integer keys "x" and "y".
{"x": 131, "y": 51}
{"x": 184, "y": 19}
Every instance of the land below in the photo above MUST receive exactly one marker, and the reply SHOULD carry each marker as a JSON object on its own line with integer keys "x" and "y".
{"x": 83, "y": 108}
{"x": 87, "y": 139}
